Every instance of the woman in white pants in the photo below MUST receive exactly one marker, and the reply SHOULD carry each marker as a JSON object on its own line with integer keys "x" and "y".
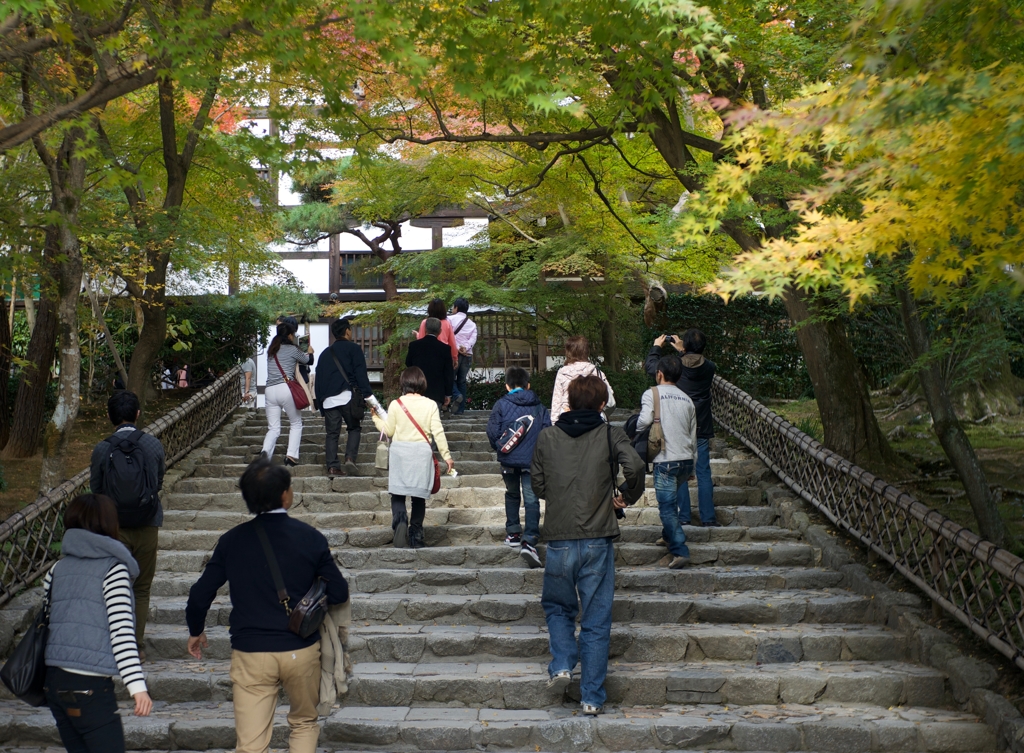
{"x": 282, "y": 355}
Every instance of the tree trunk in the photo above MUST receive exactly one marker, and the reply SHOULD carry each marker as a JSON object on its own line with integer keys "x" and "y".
{"x": 30, "y": 403}
{"x": 30, "y": 306}
{"x": 57, "y": 434}
{"x": 151, "y": 340}
{"x": 610, "y": 342}
{"x": 840, "y": 389}
{"x": 947, "y": 427}
{"x": 67, "y": 180}
{"x": 390, "y": 286}
{"x": 5, "y": 373}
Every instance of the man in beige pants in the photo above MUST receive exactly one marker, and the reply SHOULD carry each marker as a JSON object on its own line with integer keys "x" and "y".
{"x": 266, "y": 655}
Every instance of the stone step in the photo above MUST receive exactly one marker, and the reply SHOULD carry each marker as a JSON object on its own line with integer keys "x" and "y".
{"x": 521, "y": 580}
{"x": 776, "y": 607}
{"x": 320, "y": 494}
{"x": 366, "y": 556}
{"x": 652, "y": 643}
{"x": 852, "y": 728}
{"x": 521, "y": 685}
{"x": 461, "y": 535}
{"x": 210, "y": 520}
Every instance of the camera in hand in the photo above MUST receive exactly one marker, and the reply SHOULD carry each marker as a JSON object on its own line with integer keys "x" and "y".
{"x": 669, "y": 339}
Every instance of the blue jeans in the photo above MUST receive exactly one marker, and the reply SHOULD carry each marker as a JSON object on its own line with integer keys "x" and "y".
{"x": 673, "y": 495}
{"x": 580, "y": 575}
{"x": 513, "y": 478}
{"x": 462, "y": 378}
{"x": 705, "y": 489}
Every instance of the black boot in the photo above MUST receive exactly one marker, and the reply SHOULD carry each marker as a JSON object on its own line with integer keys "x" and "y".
{"x": 416, "y": 537}
{"x": 402, "y": 538}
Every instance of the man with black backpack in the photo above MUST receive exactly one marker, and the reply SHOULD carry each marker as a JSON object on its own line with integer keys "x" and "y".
{"x": 515, "y": 423}
{"x": 128, "y": 467}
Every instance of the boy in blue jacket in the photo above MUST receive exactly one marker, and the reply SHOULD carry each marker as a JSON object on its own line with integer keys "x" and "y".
{"x": 515, "y": 463}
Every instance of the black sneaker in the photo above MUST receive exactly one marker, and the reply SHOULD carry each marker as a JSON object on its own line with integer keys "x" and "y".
{"x": 529, "y": 554}
{"x": 401, "y": 540}
{"x": 514, "y": 539}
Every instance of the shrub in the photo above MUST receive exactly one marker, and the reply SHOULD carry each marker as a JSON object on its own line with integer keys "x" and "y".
{"x": 3, "y": 480}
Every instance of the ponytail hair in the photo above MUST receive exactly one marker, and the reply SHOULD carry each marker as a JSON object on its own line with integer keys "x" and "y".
{"x": 284, "y": 331}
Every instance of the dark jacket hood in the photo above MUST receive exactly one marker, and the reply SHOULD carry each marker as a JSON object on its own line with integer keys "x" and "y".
{"x": 692, "y": 360}
{"x": 523, "y": 398}
{"x": 576, "y": 423}
{"x": 84, "y": 544}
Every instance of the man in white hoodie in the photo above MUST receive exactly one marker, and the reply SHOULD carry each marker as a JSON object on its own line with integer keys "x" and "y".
{"x": 673, "y": 466}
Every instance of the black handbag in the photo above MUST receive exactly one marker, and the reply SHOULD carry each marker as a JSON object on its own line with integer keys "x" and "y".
{"x": 24, "y": 674}
{"x": 311, "y": 610}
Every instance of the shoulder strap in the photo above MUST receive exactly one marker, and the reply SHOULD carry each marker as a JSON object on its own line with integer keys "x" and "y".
{"x": 280, "y": 368}
{"x": 275, "y": 569}
{"x": 657, "y": 405}
{"x": 611, "y": 459}
{"x": 461, "y": 325}
{"x": 399, "y": 401}
{"x": 340, "y": 367}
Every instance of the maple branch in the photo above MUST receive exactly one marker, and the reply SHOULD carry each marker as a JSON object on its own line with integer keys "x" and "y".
{"x": 607, "y": 203}
{"x": 123, "y": 82}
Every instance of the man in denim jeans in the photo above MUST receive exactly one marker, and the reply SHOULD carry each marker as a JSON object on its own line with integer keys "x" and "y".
{"x": 574, "y": 469}
{"x": 673, "y": 466}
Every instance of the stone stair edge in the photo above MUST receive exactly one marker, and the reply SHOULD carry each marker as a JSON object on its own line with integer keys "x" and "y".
{"x": 695, "y": 728}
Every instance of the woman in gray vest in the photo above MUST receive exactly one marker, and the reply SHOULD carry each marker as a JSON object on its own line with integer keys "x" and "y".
{"x": 92, "y": 630}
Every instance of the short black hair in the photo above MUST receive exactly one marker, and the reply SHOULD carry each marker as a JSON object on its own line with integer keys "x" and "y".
{"x": 671, "y": 368}
{"x": 517, "y": 376}
{"x": 289, "y": 320}
{"x": 339, "y": 327}
{"x": 123, "y": 406}
{"x": 262, "y": 485}
{"x": 694, "y": 341}
{"x": 461, "y": 304}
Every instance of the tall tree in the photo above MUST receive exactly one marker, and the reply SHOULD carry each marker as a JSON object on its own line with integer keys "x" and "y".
{"x": 570, "y": 77}
{"x": 66, "y": 168}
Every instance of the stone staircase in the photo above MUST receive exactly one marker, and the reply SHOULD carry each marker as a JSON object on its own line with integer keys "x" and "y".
{"x": 757, "y": 646}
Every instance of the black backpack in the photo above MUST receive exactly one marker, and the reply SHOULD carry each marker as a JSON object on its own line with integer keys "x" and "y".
{"x": 125, "y": 482}
{"x": 637, "y": 438}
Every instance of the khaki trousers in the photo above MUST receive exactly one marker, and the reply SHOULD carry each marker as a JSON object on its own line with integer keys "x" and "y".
{"x": 256, "y": 679}
{"x": 143, "y": 544}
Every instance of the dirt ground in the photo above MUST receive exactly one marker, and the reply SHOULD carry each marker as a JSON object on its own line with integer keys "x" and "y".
{"x": 92, "y": 426}
{"x": 999, "y": 443}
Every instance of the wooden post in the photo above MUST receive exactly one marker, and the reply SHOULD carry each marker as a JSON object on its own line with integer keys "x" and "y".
{"x": 334, "y": 275}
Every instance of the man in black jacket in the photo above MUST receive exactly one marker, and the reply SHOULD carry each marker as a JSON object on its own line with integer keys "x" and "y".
{"x": 435, "y": 360}
{"x": 698, "y": 376}
{"x": 265, "y": 654}
{"x": 142, "y": 540}
{"x": 341, "y": 396}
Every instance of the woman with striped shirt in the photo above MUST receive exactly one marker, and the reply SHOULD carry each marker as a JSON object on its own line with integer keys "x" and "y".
{"x": 282, "y": 356}
{"x": 92, "y": 630}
